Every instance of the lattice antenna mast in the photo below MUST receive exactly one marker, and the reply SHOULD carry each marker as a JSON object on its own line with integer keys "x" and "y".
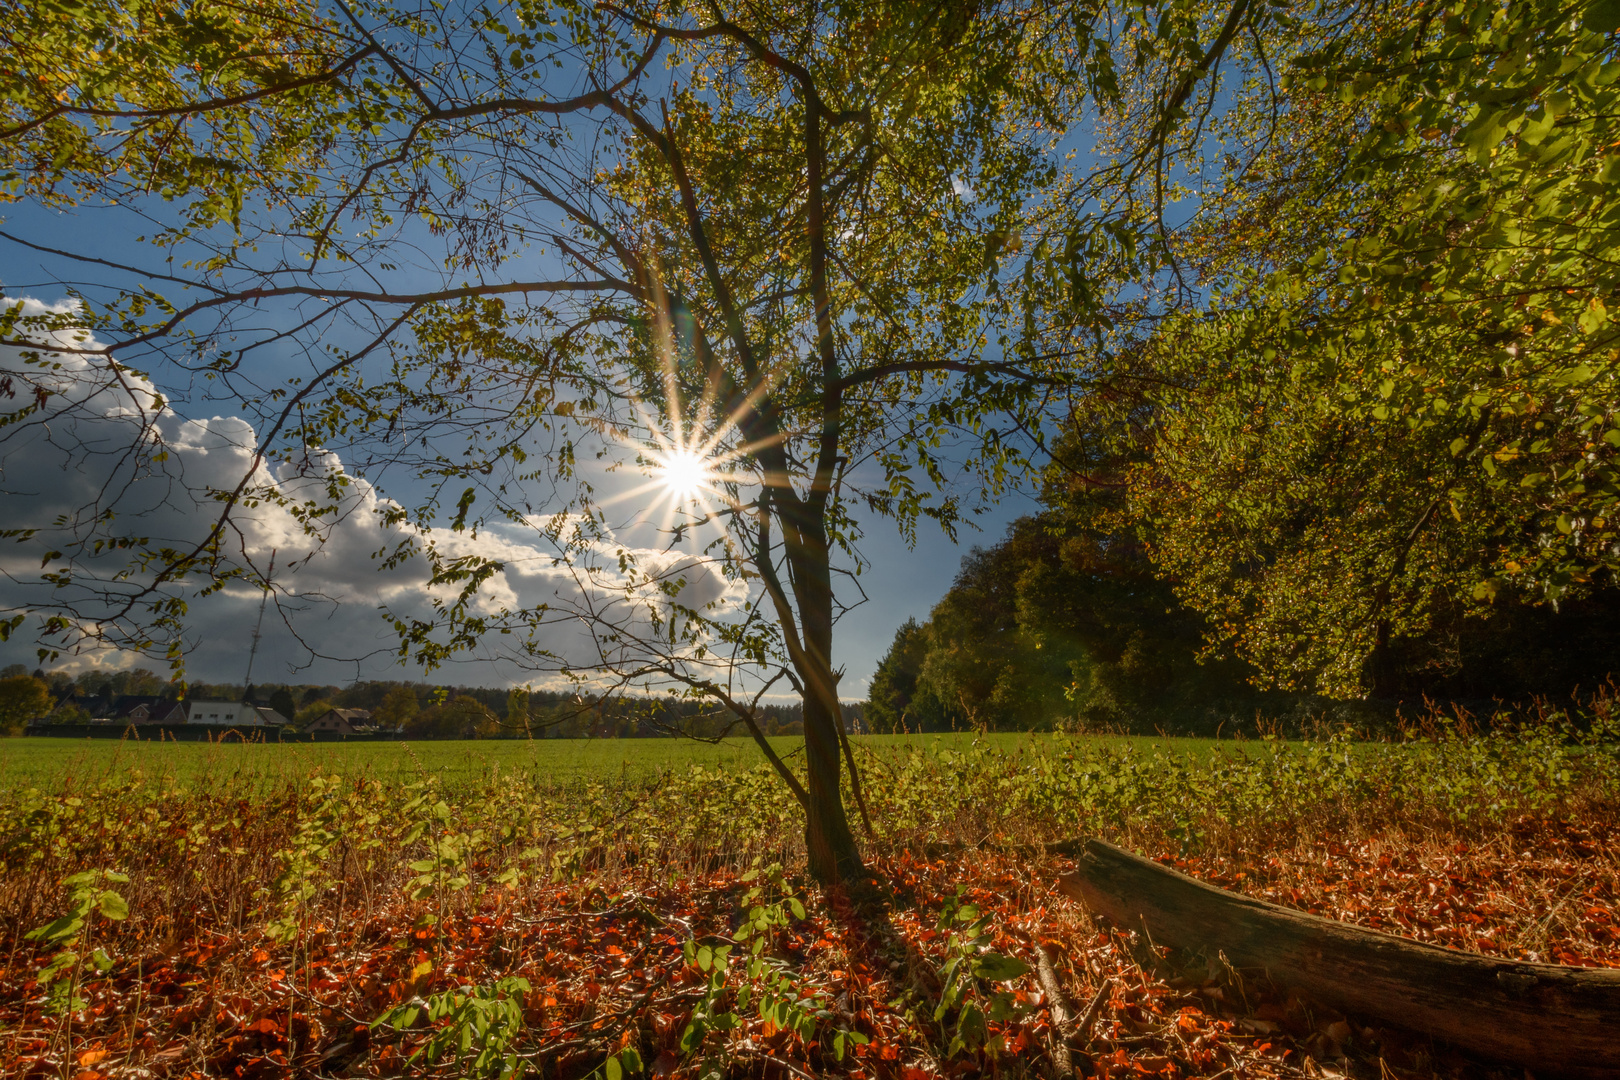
{"x": 258, "y": 628}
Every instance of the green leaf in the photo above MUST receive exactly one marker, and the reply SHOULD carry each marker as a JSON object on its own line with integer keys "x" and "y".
{"x": 999, "y": 968}
{"x": 1593, "y": 318}
{"x": 58, "y": 930}
{"x": 112, "y": 906}
{"x": 60, "y": 962}
{"x": 1602, "y": 16}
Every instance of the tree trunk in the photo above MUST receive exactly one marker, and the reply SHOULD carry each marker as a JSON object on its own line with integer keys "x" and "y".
{"x": 1559, "y": 1019}
{"x": 834, "y": 856}
{"x": 1380, "y": 670}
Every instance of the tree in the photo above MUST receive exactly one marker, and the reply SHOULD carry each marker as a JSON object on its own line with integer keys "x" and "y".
{"x": 311, "y": 711}
{"x": 980, "y": 664}
{"x": 69, "y": 712}
{"x": 462, "y": 717}
{"x": 1056, "y": 623}
{"x": 793, "y": 253}
{"x": 517, "y": 711}
{"x": 895, "y": 700}
{"x": 1482, "y": 298}
{"x": 396, "y": 709}
{"x": 282, "y": 702}
{"x": 1377, "y": 392}
{"x": 102, "y": 99}
{"x": 23, "y": 699}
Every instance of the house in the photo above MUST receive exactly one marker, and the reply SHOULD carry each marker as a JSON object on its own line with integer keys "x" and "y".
{"x": 223, "y": 713}
{"x": 341, "y": 721}
{"x": 269, "y": 717}
{"x": 145, "y": 709}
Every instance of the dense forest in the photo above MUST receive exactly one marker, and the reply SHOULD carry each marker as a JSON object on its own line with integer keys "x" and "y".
{"x": 1058, "y": 626}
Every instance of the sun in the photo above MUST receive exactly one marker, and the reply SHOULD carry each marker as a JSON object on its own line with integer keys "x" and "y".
{"x": 685, "y": 473}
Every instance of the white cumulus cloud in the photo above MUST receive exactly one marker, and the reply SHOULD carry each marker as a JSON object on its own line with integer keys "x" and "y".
{"x": 85, "y": 440}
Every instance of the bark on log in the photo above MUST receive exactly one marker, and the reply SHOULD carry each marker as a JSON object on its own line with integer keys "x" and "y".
{"x": 1553, "y": 1019}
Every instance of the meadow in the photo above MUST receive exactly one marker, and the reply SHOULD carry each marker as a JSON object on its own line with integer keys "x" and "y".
{"x": 615, "y": 908}
{"x": 48, "y": 762}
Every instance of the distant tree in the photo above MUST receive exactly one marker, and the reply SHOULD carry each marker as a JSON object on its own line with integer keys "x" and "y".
{"x": 774, "y": 726}
{"x": 462, "y": 717}
{"x": 982, "y": 664}
{"x": 23, "y": 699}
{"x": 398, "y": 706}
{"x": 282, "y": 701}
{"x": 1129, "y": 647}
{"x": 310, "y": 711}
{"x": 136, "y": 681}
{"x": 517, "y": 710}
{"x": 1058, "y": 623}
{"x": 213, "y": 691}
{"x": 895, "y": 702}
{"x": 12, "y": 671}
{"x": 362, "y": 695}
{"x": 69, "y": 712}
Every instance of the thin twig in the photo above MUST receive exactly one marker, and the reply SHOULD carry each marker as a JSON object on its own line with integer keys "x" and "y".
{"x": 1082, "y": 1030}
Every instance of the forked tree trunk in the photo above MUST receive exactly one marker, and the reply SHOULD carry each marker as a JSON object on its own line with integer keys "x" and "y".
{"x": 834, "y": 856}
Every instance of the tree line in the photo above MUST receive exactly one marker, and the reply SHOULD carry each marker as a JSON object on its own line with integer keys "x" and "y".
{"x": 1057, "y": 627}
{"x": 417, "y": 710}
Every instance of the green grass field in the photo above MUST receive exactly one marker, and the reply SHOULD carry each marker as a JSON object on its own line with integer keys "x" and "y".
{"x": 51, "y": 763}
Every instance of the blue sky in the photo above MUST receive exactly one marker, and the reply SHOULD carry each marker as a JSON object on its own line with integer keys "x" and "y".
{"x": 344, "y": 588}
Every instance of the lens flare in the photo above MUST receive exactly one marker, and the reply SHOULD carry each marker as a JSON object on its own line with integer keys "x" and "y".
{"x": 685, "y": 474}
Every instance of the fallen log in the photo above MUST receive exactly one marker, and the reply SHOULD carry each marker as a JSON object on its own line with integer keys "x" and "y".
{"x": 1556, "y": 1020}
